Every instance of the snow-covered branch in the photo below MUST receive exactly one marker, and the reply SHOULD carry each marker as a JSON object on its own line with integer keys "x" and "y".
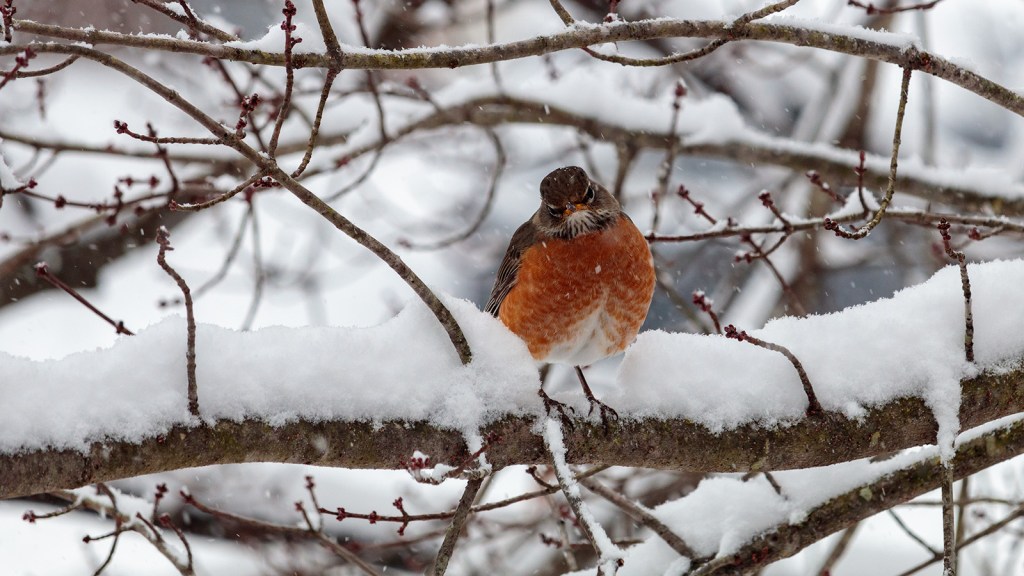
{"x": 895, "y": 49}
{"x": 652, "y": 443}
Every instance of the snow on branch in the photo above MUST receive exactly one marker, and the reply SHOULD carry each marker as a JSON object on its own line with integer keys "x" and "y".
{"x": 888, "y": 375}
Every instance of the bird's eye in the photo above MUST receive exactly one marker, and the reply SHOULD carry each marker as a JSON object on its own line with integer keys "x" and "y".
{"x": 555, "y": 211}
{"x": 589, "y": 196}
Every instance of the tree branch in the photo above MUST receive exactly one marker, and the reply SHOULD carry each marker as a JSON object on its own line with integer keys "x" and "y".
{"x": 810, "y": 442}
{"x": 864, "y": 501}
{"x": 897, "y": 50}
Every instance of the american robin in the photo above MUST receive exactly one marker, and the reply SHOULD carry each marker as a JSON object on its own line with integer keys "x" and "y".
{"x": 577, "y": 278}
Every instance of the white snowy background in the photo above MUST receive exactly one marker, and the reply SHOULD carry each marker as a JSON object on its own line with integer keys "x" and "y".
{"x": 333, "y": 318}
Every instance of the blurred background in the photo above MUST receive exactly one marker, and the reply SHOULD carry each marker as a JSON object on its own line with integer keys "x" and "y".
{"x": 455, "y": 173}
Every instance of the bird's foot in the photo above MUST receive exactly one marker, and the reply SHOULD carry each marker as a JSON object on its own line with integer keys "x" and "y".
{"x": 565, "y": 411}
{"x": 607, "y": 412}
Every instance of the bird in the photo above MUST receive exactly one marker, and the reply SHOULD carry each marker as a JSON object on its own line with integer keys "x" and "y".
{"x": 577, "y": 279}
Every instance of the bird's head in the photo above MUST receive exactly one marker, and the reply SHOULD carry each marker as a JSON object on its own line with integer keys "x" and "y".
{"x": 572, "y": 204}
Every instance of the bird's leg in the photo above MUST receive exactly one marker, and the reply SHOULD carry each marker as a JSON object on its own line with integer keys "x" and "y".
{"x": 549, "y": 403}
{"x": 606, "y": 410}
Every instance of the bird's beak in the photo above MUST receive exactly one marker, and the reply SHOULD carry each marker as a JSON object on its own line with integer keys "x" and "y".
{"x": 571, "y": 208}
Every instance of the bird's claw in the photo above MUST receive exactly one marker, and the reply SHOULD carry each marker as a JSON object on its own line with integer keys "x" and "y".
{"x": 563, "y": 410}
{"x": 607, "y": 412}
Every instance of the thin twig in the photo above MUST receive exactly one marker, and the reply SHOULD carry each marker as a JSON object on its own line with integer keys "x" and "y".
{"x": 20, "y": 62}
{"x": 371, "y": 80}
{"x": 665, "y": 169}
{"x": 814, "y": 408}
{"x": 290, "y": 41}
{"x": 837, "y": 551}
{"x": 122, "y": 128}
{"x": 119, "y": 529}
{"x": 43, "y": 271}
{"x": 232, "y": 253}
{"x": 259, "y": 275}
{"x": 188, "y": 19}
{"x": 676, "y": 58}
{"x": 250, "y": 181}
{"x": 451, "y": 535}
{"x": 164, "y": 240}
{"x": 491, "y": 30}
{"x": 948, "y": 530}
{"x": 315, "y": 130}
{"x": 962, "y": 501}
{"x": 327, "y": 31}
{"x": 913, "y": 535}
{"x": 965, "y": 283}
{"x": 870, "y": 7}
{"x": 501, "y": 160}
{"x": 642, "y": 516}
{"x": 7, "y": 12}
{"x": 609, "y": 555}
{"x": 977, "y": 537}
{"x": 866, "y": 229}
{"x": 45, "y": 71}
{"x": 757, "y": 251}
{"x": 137, "y": 524}
{"x": 263, "y": 163}
{"x": 706, "y": 305}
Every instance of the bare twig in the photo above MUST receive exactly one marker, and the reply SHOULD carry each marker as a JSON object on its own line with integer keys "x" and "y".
{"x": 963, "y": 500}
{"x": 46, "y": 71}
{"x": 122, "y": 128}
{"x": 164, "y": 240}
{"x": 814, "y": 408}
{"x": 327, "y": 31}
{"x": 609, "y": 555}
{"x": 913, "y": 535}
{"x": 7, "y": 12}
{"x": 665, "y": 169}
{"x": 837, "y": 551}
{"x": 642, "y": 516}
{"x": 286, "y": 103}
{"x": 710, "y": 47}
{"x": 706, "y": 305}
{"x": 948, "y": 529}
{"x": 870, "y": 7}
{"x": 500, "y": 162}
{"x": 43, "y": 271}
{"x": 236, "y": 244}
{"x": 757, "y": 251}
{"x": 264, "y": 163}
{"x": 491, "y": 29}
{"x": 20, "y": 61}
{"x": 866, "y": 229}
{"x": 965, "y": 282}
{"x": 188, "y": 19}
{"x": 371, "y": 80}
{"x": 258, "y": 272}
{"x": 315, "y": 131}
{"x": 451, "y": 535}
{"x": 977, "y": 537}
{"x": 123, "y": 523}
{"x": 254, "y": 180}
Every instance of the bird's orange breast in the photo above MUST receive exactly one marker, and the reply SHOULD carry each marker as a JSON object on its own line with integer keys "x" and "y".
{"x": 582, "y": 299}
